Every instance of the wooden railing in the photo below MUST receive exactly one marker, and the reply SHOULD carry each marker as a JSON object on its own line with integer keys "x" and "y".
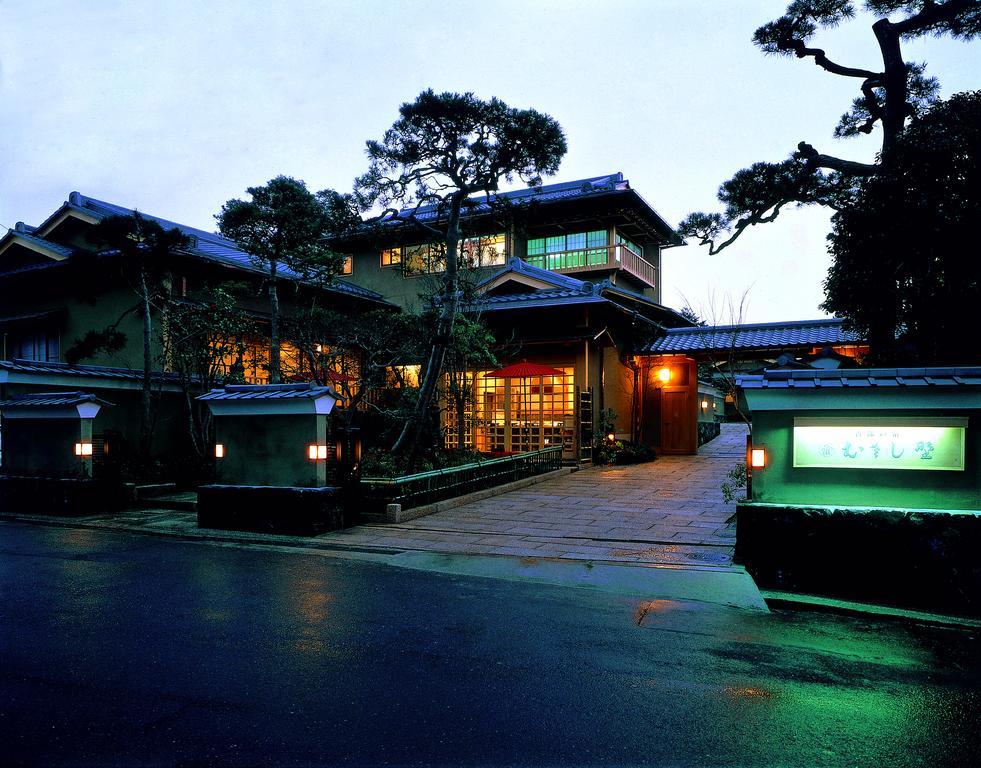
{"x": 609, "y": 257}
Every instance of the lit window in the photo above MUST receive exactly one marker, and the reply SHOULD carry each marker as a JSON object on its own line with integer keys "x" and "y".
{"x": 484, "y": 251}
{"x": 391, "y": 257}
{"x": 415, "y": 259}
{"x": 347, "y": 266}
{"x": 83, "y": 450}
{"x": 219, "y": 451}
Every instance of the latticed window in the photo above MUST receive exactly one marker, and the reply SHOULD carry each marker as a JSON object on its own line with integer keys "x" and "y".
{"x": 569, "y": 251}
{"x": 514, "y": 415}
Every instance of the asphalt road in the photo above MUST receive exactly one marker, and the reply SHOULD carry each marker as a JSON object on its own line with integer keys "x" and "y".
{"x": 133, "y": 650}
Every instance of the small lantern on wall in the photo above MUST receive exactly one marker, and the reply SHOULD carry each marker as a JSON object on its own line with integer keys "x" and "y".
{"x": 664, "y": 375}
{"x": 317, "y": 452}
{"x": 219, "y": 450}
{"x": 705, "y": 405}
{"x": 83, "y": 450}
{"x": 757, "y": 457}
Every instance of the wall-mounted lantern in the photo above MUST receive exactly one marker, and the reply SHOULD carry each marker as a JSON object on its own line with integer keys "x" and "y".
{"x": 317, "y": 452}
{"x": 664, "y": 375}
{"x": 83, "y": 450}
{"x": 219, "y": 450}
{"x": 611, "y": 438}
{"x": 705, "y": 405}
{"x": 757, "y": 457}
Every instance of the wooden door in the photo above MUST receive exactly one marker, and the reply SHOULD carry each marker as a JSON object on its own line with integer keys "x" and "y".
{"x": 677, "y": 425}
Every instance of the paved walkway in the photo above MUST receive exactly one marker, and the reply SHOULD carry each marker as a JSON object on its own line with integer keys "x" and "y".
{"x": 666, "y": 512}
{"x": 669, "y": 511}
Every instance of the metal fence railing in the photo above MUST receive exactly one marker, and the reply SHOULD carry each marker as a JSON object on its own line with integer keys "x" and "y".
{"x": 439, "y": 484}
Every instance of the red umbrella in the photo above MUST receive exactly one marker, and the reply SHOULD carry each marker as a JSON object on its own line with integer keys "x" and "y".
{"x": 524, "y": 369}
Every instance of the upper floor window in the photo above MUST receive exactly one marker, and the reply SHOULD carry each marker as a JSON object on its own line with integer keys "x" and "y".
{"x": 569, "y": 251}
{"x": 483, "y": 251}
{"x": 41, "y": 346}
{"x": 347, "y": 266}
{"x": 621, "y": 240}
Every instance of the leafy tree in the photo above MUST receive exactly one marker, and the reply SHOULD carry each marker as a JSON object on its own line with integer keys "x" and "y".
{"x": 471, "y": 349}
{"x": 443, "y": 149}
{"x": 691, "y": 315}
{"x": 900, "y": 272}
{"x": 890, "y": 97}
{"x": 146, "y": 249}
{"x": 203, "y": 345}
{"x": 356, "y": 353}
{"x": 284, "y": 226}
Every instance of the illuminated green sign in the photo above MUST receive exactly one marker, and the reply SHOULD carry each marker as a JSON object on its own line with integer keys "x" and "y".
{"x": 879, "y": 443}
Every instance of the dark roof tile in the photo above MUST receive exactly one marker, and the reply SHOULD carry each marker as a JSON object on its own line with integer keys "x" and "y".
{"x": 754, "y": 336}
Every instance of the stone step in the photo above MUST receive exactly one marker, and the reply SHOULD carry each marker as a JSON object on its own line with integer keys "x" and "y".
{"x": 181, "y": 502}
{"x": 154, "y": 490}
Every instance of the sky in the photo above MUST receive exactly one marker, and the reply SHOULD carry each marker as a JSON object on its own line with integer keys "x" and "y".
{"x": 174, "y": 107}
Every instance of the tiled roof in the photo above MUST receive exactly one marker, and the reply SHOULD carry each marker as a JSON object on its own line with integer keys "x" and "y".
{"x": 754, "y": 336}
{"x": 50, "y": 399}
{"x": 543, "y": 298}
{"x": 545, "y": 193}
{"x": 270, "y": 392}
{"x": 862, "y": 377}
{"x": 205, "y": 245}
{"x": 566, "y": 290}
{"x": 82, "y": 371}
{"x": 40, "y": 241}
{"x": 521, "y": 267}
{"x": 611, "y": 183}
{"x": 29, "y": 317}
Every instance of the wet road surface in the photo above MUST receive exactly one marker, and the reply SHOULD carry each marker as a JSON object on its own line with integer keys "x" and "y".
{"x": 118, "y": 649}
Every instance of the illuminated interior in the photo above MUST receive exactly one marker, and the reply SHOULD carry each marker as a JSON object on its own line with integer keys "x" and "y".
{"x": 516, "y": 415}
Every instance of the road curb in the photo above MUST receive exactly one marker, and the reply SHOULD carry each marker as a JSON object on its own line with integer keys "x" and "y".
{"x": 796, "y": 601}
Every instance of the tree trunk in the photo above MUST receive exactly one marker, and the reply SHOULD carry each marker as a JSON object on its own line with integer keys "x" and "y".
{"x": 461, "y": 414}
{"x": 408, "y": 440}
{"x": 146, "y": 428}
{"x": 274, "y": 372}
{"x": 894, "y": 114}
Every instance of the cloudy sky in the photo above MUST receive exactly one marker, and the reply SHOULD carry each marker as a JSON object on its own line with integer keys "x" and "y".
{"x": 173, "y": 107}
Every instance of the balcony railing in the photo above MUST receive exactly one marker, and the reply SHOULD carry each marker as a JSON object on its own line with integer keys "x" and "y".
{"x": 609, "y": 257}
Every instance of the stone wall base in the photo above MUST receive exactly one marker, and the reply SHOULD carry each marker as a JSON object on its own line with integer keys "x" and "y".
{"x": 63, "y": 497}
{"x": 923, "y": 559}
{"x": 269, "y": 509}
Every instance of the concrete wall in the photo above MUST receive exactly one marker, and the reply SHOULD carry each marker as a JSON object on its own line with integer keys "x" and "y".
{"x": 271, "y": 450}
{"x": 45, "y": 447}
{"x": 782, "y": 483}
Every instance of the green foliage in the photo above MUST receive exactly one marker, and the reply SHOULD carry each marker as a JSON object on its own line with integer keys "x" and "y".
{"x": 443, "y": 149}
{"x": 378, "y": 462}
{"x": 900, "y": 272}
{"x": 449, "y": 142}
{"x": 734, "y": 482}
{"x": 203, "y": 339}
{"x": 691, "y": 315}
{"x": 107, "y": 341}
{"x": 901, "y": 91}
{"x": 284, "y": 224}
{"x": 138, "y": 239}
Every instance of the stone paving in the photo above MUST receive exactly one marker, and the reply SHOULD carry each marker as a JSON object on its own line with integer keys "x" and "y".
{"x": 669, "y": 511}
{"x": 666, "y": 512}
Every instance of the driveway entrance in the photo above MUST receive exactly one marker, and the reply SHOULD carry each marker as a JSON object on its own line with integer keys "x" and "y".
{"x": 669, "y": 511}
